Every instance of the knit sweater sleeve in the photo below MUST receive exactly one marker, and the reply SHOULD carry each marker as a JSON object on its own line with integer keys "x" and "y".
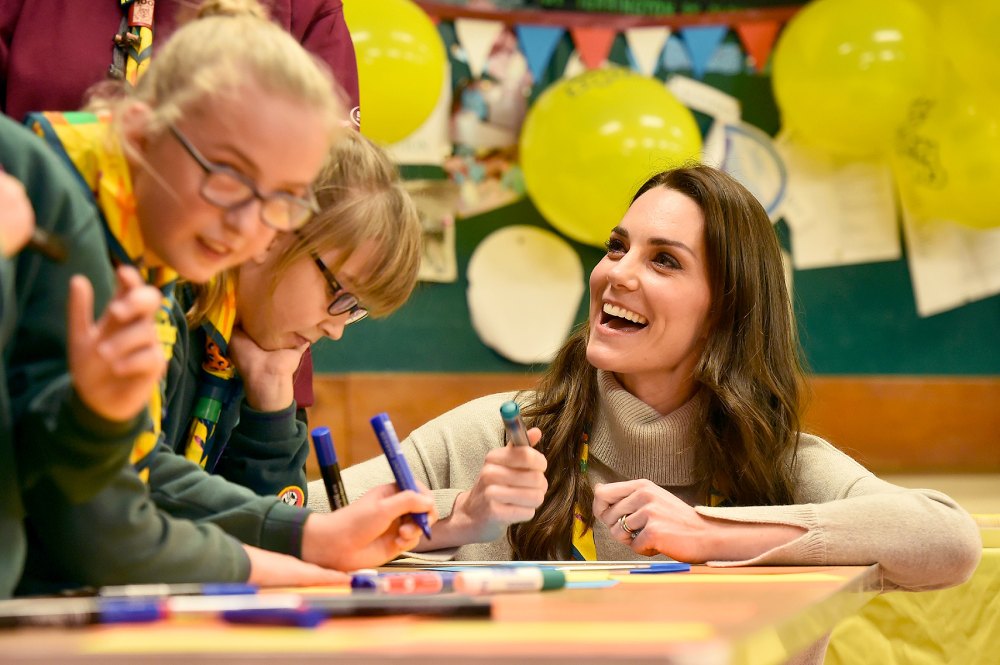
{"x": 445, "y": 454}
{"x": 920, "y": 538}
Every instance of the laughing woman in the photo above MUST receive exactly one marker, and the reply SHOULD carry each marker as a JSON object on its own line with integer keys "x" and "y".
{"x": 669, "y": 425}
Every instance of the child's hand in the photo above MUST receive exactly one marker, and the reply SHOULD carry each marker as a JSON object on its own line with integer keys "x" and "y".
{"x": 268, "y": 376}
{"x": 17, "y": 217}
{"x": 116, "y": 361}
{"x": 368, "y": 532}
{"x": 273, "y": 569}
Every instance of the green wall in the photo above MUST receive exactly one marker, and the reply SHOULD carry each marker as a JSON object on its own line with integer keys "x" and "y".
{"x": 857, "y": 319}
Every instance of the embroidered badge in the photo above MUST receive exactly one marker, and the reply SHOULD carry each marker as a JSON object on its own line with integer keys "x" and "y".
{"x": 293, "y": 496}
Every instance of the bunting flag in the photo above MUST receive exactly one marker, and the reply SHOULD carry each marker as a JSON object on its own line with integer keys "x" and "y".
{"x": 702, "y": 42}
{"x": 758, "y": 39}
{"x": 646, "y": 47}
{"x": 477, "y": 38}
{"x": 538, "y": 43}
{"x": 593, "y": 45}
{"x": 675, "y": 56}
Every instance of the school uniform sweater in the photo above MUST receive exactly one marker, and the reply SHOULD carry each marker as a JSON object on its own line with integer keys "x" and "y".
{"x": 186, "y": 526}
{"x": 921, "y": 538}
{"x": 265, "y": 451}
{"x": 57, "y": 441}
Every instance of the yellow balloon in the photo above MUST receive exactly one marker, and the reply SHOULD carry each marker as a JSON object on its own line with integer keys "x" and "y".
{"x": 947, "y": 159}
{"x": 590, "y": 141}
{"x": 401, "y": 66}
{"x": 970, "y": 38}
{"x": 846, "y": 71}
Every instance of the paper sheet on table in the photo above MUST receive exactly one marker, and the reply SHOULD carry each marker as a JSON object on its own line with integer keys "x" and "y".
{"x": 950, "y": 264}
{"x": 691, "y": 578}
{"x": 840, "y": 211}
{"x": 206, "y": 639}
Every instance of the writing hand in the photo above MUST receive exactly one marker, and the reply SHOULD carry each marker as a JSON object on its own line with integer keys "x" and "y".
{"x": 116, "y": 361}
{"x": 369, "y": 531}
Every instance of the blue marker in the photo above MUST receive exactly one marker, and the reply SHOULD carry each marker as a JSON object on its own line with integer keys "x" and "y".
{"x": 386, "y": 435}
{"x": 329, "y": 468}
{"x": 510, "y": 412}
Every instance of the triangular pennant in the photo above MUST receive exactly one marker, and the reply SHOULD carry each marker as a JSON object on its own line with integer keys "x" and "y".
{"x": 645, "y": 46}
{"x": 477, "y": 38}
{"x": 758, "y": 39}
{"x": 675, "y": 56}
{"x": 593, "y": 45}
{"x": 538, "y": 43}
{"x": 701, "y": 41}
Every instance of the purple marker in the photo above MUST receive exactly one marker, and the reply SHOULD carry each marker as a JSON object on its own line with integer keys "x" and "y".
{"x": 329, "y": 468}
{"x": 386, "y": 435}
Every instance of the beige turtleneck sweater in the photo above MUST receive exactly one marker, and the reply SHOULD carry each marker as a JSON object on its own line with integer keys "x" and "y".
{"x": 921, "y": 538}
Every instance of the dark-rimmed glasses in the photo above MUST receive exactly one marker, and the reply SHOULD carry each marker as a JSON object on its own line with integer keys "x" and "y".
{"x": 229, "y": 189}
{"x": 343, "y": 302}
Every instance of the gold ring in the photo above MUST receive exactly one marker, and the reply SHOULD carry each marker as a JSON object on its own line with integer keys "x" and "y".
{"x": 632, "y": 533}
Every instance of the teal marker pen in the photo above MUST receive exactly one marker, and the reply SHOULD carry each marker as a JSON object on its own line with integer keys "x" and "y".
{"x": 510, "y": 413}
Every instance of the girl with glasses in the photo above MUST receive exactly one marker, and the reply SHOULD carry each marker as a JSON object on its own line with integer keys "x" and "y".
{"x": 358, "y": 256}
{"x": 195, "y": 170}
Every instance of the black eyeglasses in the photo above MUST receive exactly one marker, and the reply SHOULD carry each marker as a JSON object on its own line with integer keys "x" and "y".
{"x": 344, "y": 303}
{"x": 229, "y": 189}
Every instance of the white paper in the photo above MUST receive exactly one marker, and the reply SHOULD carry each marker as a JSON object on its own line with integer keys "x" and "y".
{"x": 525, "y": 285}
{"x": 840, "y": 211}
{"x": 724, "y": 109}
{"x": 752, "y": 158}
{"x": 950, "y": 264}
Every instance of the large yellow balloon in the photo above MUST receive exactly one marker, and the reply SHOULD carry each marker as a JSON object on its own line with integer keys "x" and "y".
{"x": 401, "y": 66}
{"x": 970, "y": 38}
{"x": 947, "y": 159}
{"x": 589, "y": 142}
{"x": 846, "y": 71}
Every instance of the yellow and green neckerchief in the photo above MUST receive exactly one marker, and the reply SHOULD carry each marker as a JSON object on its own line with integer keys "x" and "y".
{"x": 583, "y": 547}
{"x": 134, "y": 41}
{"x": 215, "y": 384}
{"x": 84, "y": 141}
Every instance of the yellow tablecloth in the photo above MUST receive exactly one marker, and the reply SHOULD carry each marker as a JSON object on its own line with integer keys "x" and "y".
{"x": 958, "y": 626}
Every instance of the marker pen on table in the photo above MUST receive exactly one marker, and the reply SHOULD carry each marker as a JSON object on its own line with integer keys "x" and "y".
{"x": 423, "y": 582}
{"x": 164, "y": 590}
{"x": 510, "y": 413}
{"x": 326, "y": 456}
{"x": 386, "y": 435}
{"x": 498, "y": 580}
{"x": 69, "y": 612}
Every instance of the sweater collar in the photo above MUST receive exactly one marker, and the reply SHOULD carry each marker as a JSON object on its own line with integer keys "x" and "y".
{"x": 636, "y": 441}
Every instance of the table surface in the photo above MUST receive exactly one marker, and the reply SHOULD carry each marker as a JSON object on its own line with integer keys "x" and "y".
{"x": 747, "y": 616}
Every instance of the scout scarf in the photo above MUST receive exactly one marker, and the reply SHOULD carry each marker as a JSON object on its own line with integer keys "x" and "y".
{"x": 84, "y": 141}
{"x": 215, "y": 385}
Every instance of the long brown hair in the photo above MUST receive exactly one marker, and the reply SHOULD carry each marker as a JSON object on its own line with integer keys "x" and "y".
{"x": 750, "y": 373}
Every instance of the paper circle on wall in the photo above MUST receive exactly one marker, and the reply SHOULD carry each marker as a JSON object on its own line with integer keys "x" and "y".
{"x": 525, "y": 285}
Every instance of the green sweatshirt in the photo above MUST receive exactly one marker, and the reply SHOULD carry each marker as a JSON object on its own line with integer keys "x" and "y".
{"x": 185, "y": 526}
{"x": 54, "y": 438}
{"x": 265, "y": 451}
